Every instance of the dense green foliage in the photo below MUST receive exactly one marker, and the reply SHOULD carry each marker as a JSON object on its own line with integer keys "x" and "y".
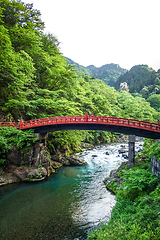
{"x": 139, "y": 77}
{"x": 154, "y": 101}
{"x": 10, "y": 137}
{"x": 36, "y": 80}
{"x": 136, "y": 213}
{"x": 79, "y": 67}
{"x": 109, "y": 73}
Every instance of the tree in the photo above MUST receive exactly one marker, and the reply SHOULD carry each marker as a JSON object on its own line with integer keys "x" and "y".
{"x": 154, "y": 100}
{"x": 22, "y": 14}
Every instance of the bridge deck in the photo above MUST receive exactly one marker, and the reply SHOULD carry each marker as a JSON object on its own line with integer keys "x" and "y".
{"x": 112, "y": 124}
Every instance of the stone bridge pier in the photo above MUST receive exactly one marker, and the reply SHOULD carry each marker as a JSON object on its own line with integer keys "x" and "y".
{"x": 131, "y": 150}
{"x": 38, "y": 146}
{"x": 41, "y": 137}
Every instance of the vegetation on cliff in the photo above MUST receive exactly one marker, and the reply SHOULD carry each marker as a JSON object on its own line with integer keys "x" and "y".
{"x": 144, "y": 82}
{"x": 10, "y": 137}
{"x": 141, "y": 80}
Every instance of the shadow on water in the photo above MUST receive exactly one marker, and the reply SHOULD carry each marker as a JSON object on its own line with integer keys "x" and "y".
{"x": 39, "y": 211}
{"x": 65, "y": 206}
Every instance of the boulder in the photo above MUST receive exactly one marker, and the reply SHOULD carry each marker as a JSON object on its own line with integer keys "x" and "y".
{"x": 37, "y": 173}
{"x": 21, "y": 174}
{"x": 15, "y": 157}
{"x": 8, "y": 179}
{"x": 114, "y": 178}
{"x": 75, "y": 160}
{"x": 55, "y": 164}
{"x": 33, "y": 173}
{"x": 64, "y": 161}
{"x": 43, "y": 171}
{"x": 87, "y": 145}
{"x": 125, "y": 155}
{"x": 121, "y": 151}
{"x": 61, "y": 158}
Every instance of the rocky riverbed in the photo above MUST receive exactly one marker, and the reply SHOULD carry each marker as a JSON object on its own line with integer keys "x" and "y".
{"x": 18, "y": 169}
{"x": 68, "y": 204}
{"x": 23, "y": 169}
{"x": 114, "y": 180}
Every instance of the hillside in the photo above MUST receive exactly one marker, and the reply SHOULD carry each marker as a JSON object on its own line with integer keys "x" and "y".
{"x": 37, "y": 82}
{"x": 108, "y": 73}
{"x": 141, "y": 79}
{"x": 79, "y": 67}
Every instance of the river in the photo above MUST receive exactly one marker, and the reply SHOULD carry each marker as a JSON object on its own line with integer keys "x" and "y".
{"x": 65, "y": 206}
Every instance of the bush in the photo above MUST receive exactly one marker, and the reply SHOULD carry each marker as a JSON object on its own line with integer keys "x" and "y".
{"x": 10, "y": 136}
{"x": 137, "y": 183}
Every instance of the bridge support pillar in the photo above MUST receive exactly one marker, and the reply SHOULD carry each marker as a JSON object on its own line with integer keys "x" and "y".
{"x": 38, "y": 145}
{"x": 131, "y": 152}
{"x": 41, "y": 137}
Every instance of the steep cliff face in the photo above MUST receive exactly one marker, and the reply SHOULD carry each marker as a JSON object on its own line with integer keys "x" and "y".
{"x": 35, "y": 164}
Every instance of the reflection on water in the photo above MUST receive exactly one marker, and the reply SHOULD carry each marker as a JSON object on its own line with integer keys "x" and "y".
{"x": 65, "y": 206}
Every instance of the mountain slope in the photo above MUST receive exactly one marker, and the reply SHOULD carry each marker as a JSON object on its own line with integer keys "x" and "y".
{"x": 109, "y": 73}
{"x": 141, "y": 79}
{"x": 79, "y": 67}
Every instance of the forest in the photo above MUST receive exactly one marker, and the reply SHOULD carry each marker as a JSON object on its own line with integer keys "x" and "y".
{"x": 37, "y": 81}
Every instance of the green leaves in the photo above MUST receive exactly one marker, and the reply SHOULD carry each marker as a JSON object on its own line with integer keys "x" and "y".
{"x": 135, "y": 107}
{"x": 154, "y": 150}
{"x": 136, "y": 213}
{"x": 37, "y": 82}
{"x": 66, "y": 140}
{"x": 10, "y": 136}
{"x": 136, "y": 183}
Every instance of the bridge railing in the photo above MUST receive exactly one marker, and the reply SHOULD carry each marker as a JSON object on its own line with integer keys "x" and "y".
{"x": 134, "y": 123}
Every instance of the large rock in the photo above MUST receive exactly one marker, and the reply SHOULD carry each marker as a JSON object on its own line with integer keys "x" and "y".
{"x": 55, "y": 164}
{"x": 121, "y": 150}
{"x": 75, "y": 160}
{"x": 64, "y": 161}
{"x": 21, "y": 174}
{"x": 37, "y": 173}
{"x": 8, "y": 179}
{"x": 61, "y": 158}
{"x": 15, "y": 157}
{"x": 87, "y": 146}
{"x": 113, "y": 181}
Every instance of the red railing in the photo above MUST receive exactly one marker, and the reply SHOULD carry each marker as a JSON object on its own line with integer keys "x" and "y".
{"x": 133, "y": 123}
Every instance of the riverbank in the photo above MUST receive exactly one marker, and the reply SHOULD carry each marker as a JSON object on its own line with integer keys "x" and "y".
{"x": 136, "y": 212}
{"x": 67, "y": 205}
{"x": 19, "y": 170}
{"x": 47, "y": 165}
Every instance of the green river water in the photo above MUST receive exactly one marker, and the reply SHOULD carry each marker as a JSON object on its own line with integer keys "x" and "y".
{"x": 65, "y": 206}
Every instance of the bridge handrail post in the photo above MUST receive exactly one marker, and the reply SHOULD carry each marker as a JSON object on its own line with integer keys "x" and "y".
{"x": 21, "y": 124}
{"x": 86, "y": 117}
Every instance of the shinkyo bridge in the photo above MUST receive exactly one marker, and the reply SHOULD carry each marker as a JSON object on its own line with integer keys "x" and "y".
{"x": 90, "y": 122}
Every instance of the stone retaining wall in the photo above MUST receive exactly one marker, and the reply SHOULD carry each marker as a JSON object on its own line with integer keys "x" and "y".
{"x": 155, "y": 167}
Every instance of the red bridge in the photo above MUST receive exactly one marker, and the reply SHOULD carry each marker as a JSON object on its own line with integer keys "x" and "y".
{"x": 86, "y": 122}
